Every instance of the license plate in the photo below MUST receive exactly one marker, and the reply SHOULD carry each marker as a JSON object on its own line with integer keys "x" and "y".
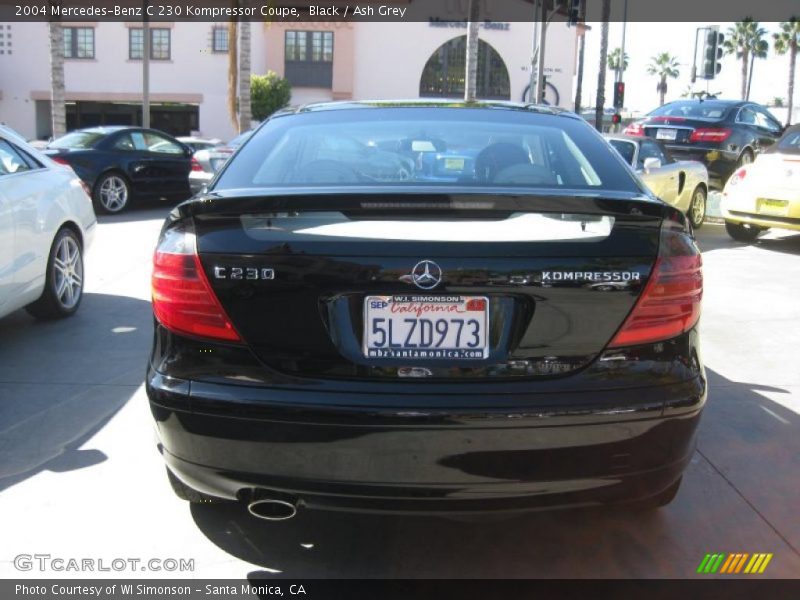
{"x": 426, "y": 327}
{"x": 779, "y": 208}
{"x": 454, "y": 164}
{"x": 667, "y": 134}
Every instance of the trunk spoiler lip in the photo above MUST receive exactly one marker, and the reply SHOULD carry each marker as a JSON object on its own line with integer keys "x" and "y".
{"x": 631, "y": 205}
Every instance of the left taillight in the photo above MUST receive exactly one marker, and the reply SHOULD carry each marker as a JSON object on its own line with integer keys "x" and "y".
{"x": 670, "y": 302}
{"x": 196, "y": 166}
{"x": 183, "y": 300}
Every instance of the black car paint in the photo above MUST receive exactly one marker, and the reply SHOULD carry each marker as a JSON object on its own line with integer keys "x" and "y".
{"x": 150, "y": 174}
{"x": 579, "y": 424}
{"x": 721, "y": 159}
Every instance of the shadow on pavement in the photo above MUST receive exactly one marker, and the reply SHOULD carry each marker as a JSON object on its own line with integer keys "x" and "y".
{"x": 143, "y": 211}
{"x": 713, "y": 512}
{"x": 61, "y": 382}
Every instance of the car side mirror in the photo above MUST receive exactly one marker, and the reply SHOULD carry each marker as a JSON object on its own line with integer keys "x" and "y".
{"x": 651, "y": 163}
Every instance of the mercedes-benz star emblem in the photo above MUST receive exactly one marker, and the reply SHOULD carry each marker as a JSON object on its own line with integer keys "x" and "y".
{"x": 426, "y": 274}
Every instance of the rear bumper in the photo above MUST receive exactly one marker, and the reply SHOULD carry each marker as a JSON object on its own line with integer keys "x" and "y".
{"x": 226, "y": 440}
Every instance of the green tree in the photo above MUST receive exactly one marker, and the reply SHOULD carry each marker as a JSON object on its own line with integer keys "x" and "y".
{"x": 614, "y": 60}
{"x": 788, "y": 40}
{"x": 663, "y": 65}
{"x": 269, "y": 93}
{"x": 746, "y": 41}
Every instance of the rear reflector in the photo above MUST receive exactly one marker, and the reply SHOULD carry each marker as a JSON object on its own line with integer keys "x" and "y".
{"x": 711, "y": 134}
{"x": 670, "y": 302}
{"x": 183, "y": 300}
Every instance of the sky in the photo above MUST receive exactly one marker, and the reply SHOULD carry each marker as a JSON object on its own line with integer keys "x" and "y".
{"x": 644, "y": 40}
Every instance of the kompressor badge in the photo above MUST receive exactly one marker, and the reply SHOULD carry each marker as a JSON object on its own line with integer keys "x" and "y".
{"x": 591, "y": 276}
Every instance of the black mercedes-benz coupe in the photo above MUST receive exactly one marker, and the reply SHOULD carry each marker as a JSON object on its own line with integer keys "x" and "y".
{"x": 426, "y": 307}
{"x": 122, "y": 164}
{"x": 722, "y": 134}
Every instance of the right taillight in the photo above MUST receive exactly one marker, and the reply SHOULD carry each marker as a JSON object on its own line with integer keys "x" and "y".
{"x": 670, "y": 302}
{"x": 183, "y": 300}
{"x": 738, "y": 176}
{"x": 710, "y": 134}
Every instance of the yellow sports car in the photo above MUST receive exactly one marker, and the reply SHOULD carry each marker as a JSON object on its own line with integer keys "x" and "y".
{"x": 765, "y": 193}
{"x": 681, "y": 183}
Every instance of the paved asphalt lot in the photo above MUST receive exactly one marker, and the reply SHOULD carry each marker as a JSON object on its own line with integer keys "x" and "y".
{"x": 80, "y": 475}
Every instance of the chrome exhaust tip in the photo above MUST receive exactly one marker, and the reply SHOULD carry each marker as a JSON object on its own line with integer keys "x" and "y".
{"x": 272, "y": 509}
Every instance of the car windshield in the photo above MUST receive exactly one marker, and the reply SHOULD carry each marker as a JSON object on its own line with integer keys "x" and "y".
{"x": 789, "y": 143}
{"x": 77, "y": 139}
{"x": 426, "y": 146}
{"x": 707, "y": 109}
{"x": 626, "y": 149}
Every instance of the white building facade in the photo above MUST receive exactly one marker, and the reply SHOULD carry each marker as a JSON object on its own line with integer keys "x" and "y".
{"x": 323, "y": 61}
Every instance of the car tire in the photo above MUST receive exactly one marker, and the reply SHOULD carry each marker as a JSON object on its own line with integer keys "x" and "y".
{"x": 112, "y": 193}
{"x": 662, "y": 498}
{"x": 742, "y": 232}
{"x": 697, "y": 207}
{"x": 746, "y": 158}
{"x": 184, "y": 492}
{"x": 63, "y": 285}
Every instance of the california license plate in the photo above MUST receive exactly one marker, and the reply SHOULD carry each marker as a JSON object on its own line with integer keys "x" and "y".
{"x": 667, "y": 134}
{"x": 778, "y": 208}
{"x": 426, "y": 327}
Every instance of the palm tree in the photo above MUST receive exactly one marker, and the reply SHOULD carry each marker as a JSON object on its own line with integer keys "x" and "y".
{"x": 787, "y": 40}
{"x": 664, "y": 66}
{"x": 471, "y": 74}
{"x": 601, "y": 74}
{"x": 58, "y": 105}
{"x": 745, "y": 40}
{"x": 614, "y": 60}
{"x": 245, "y": 108}
{"x": 233, "y": 72}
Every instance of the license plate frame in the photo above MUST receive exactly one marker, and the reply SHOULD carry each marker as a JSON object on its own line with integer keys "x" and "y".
{"x": 402, "y": 340}
{"x": 774, "y": 208}
{"x": 667, "y": 135}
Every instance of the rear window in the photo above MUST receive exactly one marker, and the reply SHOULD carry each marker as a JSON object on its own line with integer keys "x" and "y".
{"x": 77, "y": 139}
{"x": 693, "y": 110}
{"x": 405, "y": 147}
{"x": 789, "y": 143}
{"x": 626, "y": 149}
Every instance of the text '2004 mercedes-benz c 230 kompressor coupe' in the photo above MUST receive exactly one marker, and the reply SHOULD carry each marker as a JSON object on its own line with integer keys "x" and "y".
{"x": 426, "y": 307}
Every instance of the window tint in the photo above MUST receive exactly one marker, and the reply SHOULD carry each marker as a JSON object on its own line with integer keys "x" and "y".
{"x": 124, "y": 142}
{"x": 790, "y": 143}
{"x": 423, "y": 146}
{"x": 11, "y": 160}
{"x": 77, "y": 139}
{"x": 160, "y": 144}
{"x": 708, "y": 109}
{"x": 650, "y": 149}
{"x": 767, "y": 121}
{"x": 626, "y": 149}
{"x": 746, "y": 116}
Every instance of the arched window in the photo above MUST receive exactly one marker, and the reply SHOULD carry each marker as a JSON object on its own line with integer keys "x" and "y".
{"x": 443, "y": 75}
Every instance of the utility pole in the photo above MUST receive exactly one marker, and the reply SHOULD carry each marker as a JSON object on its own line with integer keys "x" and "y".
{"x": 146, "y": 68}
{"x": 534, "y": 51}
{"x": 621, "y": 69}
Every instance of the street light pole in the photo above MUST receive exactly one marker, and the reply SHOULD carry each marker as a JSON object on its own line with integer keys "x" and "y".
{"x": 146, "y": 68}
{"x": 621, "y": 66}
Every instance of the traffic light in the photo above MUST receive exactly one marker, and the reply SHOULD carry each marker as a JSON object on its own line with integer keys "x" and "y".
{"x": 712, "y": 53}
{"x": 616, "y": 118}
{"x": 574, "y": 12}
{"x": 619, "y": 94}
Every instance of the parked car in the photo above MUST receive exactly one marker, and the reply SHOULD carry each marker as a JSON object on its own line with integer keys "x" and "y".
{"x": 46, "y": 225}
{"x": 196, "y": 143}
{"x": 124, "y": 164}
{"x": 722, "y": 134}
{"x": 327, "y": 335}
{"x": 208, "y": 161}
{"x": 766, "y": 193}
{"x": 681, "y": 183}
